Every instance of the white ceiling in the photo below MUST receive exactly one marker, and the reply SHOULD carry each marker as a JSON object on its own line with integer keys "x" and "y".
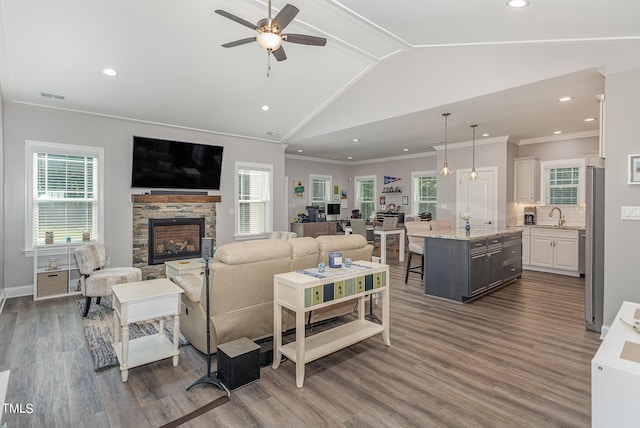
{"x": 173, "y": 70}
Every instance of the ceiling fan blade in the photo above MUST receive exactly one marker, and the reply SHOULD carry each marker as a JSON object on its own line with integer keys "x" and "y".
{"x": 303, "y": 39}
{"x": 279, "y": 54}
{"x": 236, "y": 18}
{"x": 239, "y": 42}
{"x": 284, "y": 17}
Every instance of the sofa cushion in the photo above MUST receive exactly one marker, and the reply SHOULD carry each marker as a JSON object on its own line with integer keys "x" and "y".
{"x": 238, "y": 253}
{"x": 304, "y": 253}
{"x": 328, "y": 243}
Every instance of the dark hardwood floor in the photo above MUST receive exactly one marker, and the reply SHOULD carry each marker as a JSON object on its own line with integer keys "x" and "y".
{"x": 519, "y": 357}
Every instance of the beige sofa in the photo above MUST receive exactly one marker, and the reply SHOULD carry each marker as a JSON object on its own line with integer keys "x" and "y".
{"x": 241, "y": 286}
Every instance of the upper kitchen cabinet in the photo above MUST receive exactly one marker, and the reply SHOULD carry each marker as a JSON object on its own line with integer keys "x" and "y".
{"x": 526, "y": 173}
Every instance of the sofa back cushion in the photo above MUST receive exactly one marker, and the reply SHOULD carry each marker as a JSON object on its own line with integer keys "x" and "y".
{"x": 304, "y": 253}
{"x": 353, "y": 246}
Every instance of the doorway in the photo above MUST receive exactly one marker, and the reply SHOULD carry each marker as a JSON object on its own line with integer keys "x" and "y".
{"x": 477, "y": 197}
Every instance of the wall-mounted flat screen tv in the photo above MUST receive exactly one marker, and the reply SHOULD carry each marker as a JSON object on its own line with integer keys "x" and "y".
{"x": 165, "y": 164}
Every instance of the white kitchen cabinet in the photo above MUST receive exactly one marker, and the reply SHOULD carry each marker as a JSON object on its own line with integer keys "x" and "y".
{"x": 555, "y": 250}
{"x": 526, "y": 173}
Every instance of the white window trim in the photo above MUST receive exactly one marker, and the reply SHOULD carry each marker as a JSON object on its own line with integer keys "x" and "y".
{"x": 413, "y": 201}
{"x": 355, "y": 190}
{"x": 251, "y": 165}
{"x": 565, "y": 163}
{"x": 32, "y": 147}
{"x": 329, "y": 180}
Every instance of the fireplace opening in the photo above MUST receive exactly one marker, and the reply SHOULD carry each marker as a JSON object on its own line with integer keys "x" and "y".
{"x": 174, "y": 239}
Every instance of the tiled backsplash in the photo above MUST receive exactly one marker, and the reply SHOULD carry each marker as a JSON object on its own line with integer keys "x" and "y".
{"x": 574, "y": 216}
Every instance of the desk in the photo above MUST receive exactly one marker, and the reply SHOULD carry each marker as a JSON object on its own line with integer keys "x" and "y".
{"x": 145, "y": 301}
{"x": 383, "y": 232}
{"x": 304, "y": 292}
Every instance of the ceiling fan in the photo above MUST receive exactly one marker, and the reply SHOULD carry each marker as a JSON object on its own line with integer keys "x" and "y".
{"x": 269, "y": 30}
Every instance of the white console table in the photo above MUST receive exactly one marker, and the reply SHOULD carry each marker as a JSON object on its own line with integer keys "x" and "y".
{"x": 145, "y": 301}
{"x": 615, "y": 381}
{"x": 304, "y": 292}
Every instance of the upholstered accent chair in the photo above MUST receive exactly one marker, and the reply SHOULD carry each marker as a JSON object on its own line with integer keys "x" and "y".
{"x": 96, "y": 279}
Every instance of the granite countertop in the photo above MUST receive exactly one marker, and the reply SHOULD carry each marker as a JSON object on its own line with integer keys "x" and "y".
{"x": 550, "y": 226}
{"x": 475, "y": 233}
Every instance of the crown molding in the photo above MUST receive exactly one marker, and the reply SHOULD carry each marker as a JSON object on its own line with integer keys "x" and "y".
{"x": 480, "y": 142}
{"x": 559, "y": 137}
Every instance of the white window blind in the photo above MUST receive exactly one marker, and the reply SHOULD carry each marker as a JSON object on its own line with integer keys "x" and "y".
{"x": 65, "y": 193}
{"x": 425, "y": 193}
{"x": 254, "y": 184}
{"x": 365, "y": 195}
{"x": 563, "y": 182}
{"x": 320, "y": 190}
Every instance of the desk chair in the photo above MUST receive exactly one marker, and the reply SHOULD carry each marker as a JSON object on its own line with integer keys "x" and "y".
{"x": 392, "y": 222}
{"x": 359, "y": 227}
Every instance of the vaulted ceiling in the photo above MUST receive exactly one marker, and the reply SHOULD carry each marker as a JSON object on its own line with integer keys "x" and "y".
{"x": 388, "y": 71}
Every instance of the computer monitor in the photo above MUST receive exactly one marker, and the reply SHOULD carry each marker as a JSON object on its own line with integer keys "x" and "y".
{"x": 333, "y": 209}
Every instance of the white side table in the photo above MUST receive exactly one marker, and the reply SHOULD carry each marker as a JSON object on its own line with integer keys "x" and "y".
{"x": 145, "y": 301}
{"x": 178, "y": 267}
{"x": 302, "y": 293}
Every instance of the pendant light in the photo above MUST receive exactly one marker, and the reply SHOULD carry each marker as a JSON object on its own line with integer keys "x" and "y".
{"x": 473, "y": 175}
{"x": 445, "y": 171}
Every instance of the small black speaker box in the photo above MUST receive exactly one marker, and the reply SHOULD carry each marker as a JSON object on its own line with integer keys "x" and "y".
{"x": 238, "y": 363}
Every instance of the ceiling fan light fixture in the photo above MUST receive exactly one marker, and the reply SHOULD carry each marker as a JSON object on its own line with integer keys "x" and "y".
{"x": 269, "y": 41}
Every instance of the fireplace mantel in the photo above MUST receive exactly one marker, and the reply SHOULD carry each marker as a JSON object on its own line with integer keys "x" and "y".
{"x": 164, "y": 199}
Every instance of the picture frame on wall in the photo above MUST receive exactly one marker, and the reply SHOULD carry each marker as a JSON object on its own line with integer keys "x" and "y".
{"x": 634, "y": 169}
{"x": 405, "y": 200}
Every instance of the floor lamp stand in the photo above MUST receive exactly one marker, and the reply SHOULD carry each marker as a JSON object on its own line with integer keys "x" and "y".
{"x": 209, "y": 378}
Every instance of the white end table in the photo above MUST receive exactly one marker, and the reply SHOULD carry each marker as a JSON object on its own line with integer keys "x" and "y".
{"x": 178, "y": 267}
{"x": 145, "y": 301}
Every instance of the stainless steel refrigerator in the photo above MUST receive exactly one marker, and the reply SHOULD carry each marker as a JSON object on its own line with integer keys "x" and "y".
{"x": 594, "y": 248}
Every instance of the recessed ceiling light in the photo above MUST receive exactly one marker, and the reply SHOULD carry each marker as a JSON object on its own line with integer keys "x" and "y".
{"x": 111, "y": 72}
{"x": 517, "y": 3}
{"x": 349, "y": 157}
{"x": 590, "y": 119}
{"x": 405, "y": 150}
{"x": 355, "y": 140}
{"x": 299, "y": 150}
{"x": 565, "y": 99}
{"x": 271, "y": 133}
{"x": 265, "y": 107}
{"x": 557, "y": 132}
{"x": 485, "y": 135}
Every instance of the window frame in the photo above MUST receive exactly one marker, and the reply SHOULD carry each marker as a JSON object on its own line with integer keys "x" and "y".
{"x": 414, "y": 192}
{"x": 565, "y": 163}
{"x": 241, "y": 165}
{"x": 32, "y": 147}
{"x": 358, "y": 201}
{"x": 328, "y": 185}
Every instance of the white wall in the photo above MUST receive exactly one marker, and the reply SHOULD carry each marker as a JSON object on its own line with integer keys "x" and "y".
{"x": 573, "y": 148}
{"x": 2, "y": 234}
{"x": 115, "y": 136}
{"x": 622, "y": 256}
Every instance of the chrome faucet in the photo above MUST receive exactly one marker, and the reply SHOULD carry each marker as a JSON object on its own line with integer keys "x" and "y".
{"x": 561, "y": 219}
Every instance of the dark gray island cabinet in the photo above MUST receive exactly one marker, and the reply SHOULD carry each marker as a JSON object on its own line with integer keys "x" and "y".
{"x": 461, "y": 265}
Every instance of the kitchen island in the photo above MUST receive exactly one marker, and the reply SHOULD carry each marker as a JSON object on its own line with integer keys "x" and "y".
{"x": 463, "y": 265}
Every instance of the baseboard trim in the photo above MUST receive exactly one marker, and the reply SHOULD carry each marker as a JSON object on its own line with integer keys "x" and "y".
{"x": 549, "y": 270}
{"x": 3, "y": 299}
{"x": 23, "y": 290}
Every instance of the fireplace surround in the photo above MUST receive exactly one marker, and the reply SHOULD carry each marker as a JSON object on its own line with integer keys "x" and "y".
{"x": 149, "y": 206}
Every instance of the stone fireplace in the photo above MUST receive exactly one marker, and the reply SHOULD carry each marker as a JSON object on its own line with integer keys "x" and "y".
{"x": 185, "y": 213}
